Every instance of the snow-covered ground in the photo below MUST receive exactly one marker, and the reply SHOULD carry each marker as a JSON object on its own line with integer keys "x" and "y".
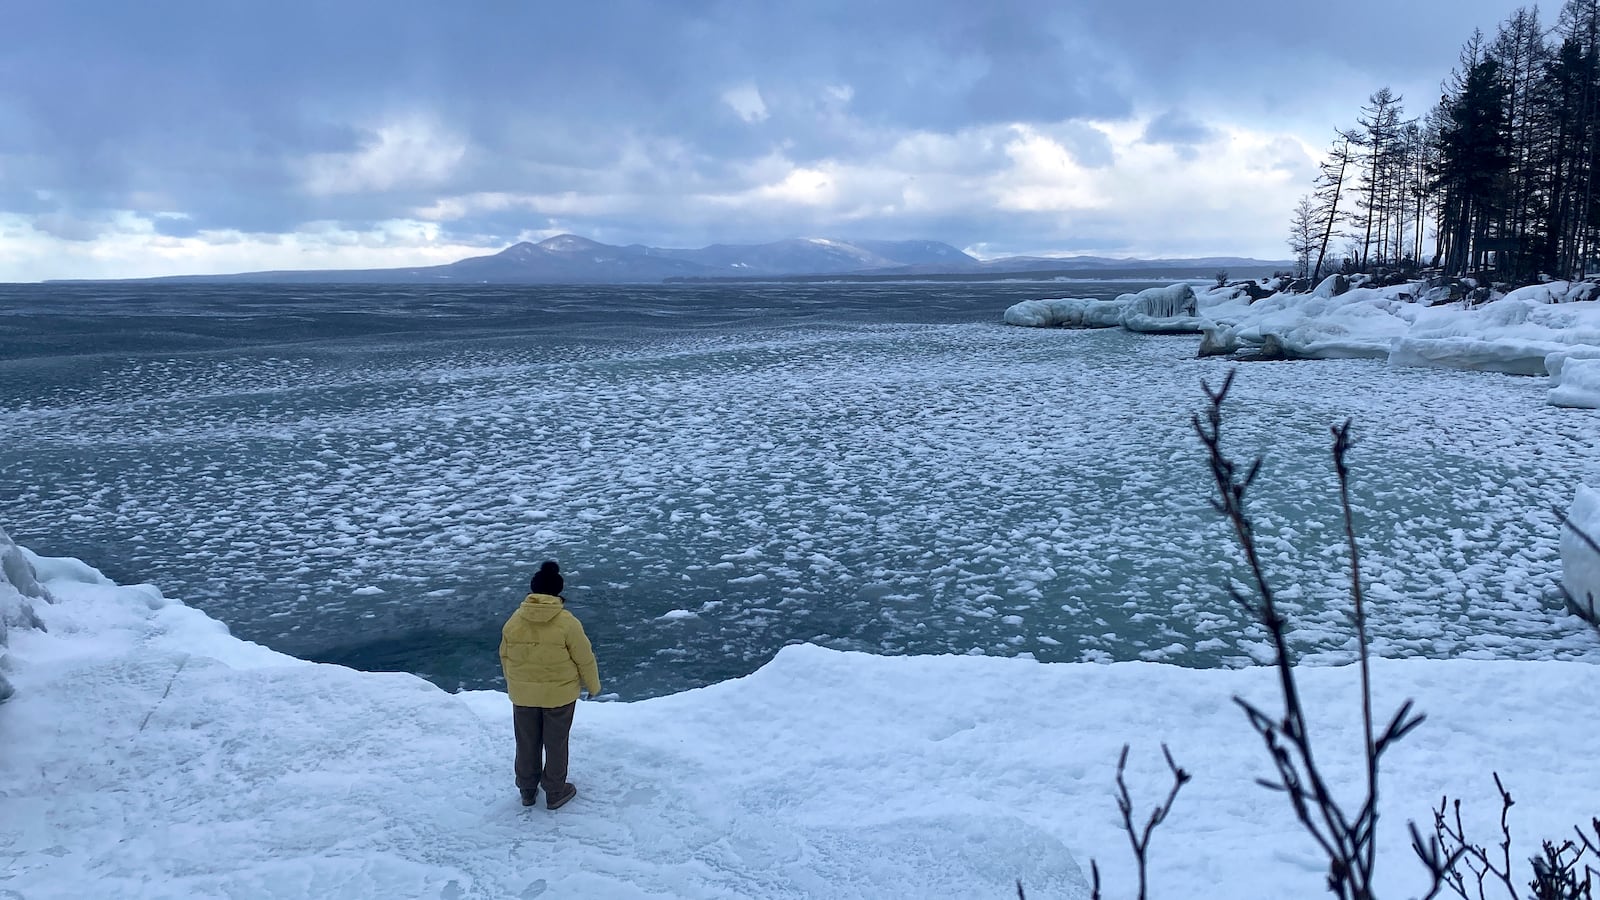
{"x": 150, "y": 754}
{"x": 1542, "y": 329}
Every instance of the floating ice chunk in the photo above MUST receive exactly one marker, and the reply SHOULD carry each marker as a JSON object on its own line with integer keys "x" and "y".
{"x": 674, "y": 615}
{"x": 368, "y": 591}
{"x": 1513, "y": 358}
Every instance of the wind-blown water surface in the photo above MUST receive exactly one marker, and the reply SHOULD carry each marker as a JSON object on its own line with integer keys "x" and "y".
{"x": 369, "y": 475}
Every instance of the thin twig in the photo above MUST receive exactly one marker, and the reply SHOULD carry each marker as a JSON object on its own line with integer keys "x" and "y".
{"x": 1350, "y": 845}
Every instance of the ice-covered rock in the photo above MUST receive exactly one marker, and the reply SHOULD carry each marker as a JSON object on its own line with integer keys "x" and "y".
{"x": 1332, "y": 286}
{"x": 1068, "y": 312}
{"x": 1549, "y": 328}
{"x": 19, "y": 590}
{"x": 1165, "y": 310}
{"x": 1574, "y": 377}
{"x": 1217, "y": 340}
{"x": 1580, "y": 564}
{"x": 1555, "y": 292}
{"x": 1360, "y": 323}
{"x": 1172, "y": 301}
{"x": 1514, "y": 334}
{"x": 1147, "y": 324}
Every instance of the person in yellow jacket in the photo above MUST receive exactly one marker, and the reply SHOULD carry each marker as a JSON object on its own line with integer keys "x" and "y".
{"x": 545, "y": 654}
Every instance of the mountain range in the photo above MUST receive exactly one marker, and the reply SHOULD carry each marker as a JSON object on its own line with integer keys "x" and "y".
{"x": 570, "y": 259}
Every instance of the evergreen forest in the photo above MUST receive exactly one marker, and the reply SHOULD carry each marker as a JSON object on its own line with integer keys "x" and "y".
{"x": 1499, "y": 178}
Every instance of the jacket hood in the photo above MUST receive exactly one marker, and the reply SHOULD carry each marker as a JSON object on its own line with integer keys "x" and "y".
{"x": 541, "y": 607}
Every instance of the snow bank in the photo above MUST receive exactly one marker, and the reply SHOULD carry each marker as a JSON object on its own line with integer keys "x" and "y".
{"x": 1513, "y": 334}
{"x": 1551, "y": 328}
{"x": 1360, "y": 323}
{"x": 163, "y": 758}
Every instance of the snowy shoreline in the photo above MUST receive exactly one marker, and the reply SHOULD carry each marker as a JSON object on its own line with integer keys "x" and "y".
{"x": 151, "y": 754}
{"x": 1542, "y": 329}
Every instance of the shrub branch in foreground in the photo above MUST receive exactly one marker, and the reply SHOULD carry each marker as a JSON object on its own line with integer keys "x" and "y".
{"x": 1561, "y": 871}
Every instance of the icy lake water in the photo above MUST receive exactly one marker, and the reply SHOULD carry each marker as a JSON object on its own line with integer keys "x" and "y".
{"x": 369, "y": 475}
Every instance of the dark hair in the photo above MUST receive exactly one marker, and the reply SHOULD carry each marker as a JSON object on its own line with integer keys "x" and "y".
{"x": 548, "y": 579}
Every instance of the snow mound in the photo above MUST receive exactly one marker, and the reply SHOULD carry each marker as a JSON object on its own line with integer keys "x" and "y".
{"x": 166, "y": 758}
{"x": 1359, "y": 323}
{"x": 1513, "y": 334}
{"x": 1580, "y": 564}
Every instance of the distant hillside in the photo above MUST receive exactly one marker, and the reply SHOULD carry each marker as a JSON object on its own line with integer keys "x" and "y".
{"x": 570, "y": 259}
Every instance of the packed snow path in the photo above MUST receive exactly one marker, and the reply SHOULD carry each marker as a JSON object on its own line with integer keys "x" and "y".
{"x": 149, "y": 754}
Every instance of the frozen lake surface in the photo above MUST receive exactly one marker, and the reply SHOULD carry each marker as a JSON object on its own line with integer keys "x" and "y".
{"x": 368, "y": 476}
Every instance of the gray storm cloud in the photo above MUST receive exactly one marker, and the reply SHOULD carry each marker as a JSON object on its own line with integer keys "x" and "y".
{"x": 633, "y": 117}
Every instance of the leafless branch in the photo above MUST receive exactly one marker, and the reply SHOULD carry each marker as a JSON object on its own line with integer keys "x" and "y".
{"x": 1139, "y": 838}
{"x": 1349, "y": 843}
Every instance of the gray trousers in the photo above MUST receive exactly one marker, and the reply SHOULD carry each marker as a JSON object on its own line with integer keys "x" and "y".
{"x": 542, "y": 734}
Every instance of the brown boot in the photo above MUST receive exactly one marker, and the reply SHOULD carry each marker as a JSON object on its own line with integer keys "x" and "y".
{"x": 529, "y": 798}
{"x": 558, "y": 799}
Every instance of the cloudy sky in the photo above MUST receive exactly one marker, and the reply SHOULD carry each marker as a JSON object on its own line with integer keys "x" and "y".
{"x": 176, "y": 136}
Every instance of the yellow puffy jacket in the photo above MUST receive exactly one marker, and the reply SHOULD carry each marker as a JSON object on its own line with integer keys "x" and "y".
{"x": 544, "y": 653}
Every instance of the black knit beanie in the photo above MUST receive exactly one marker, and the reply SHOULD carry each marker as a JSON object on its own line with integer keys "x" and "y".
{"x": 547, "y": 580}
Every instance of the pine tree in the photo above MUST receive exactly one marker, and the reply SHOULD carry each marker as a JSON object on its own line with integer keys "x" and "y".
{"x": 1378, "y": 136}
{"x": 1473, "y": 163}
{"x": 1336, "y": 170}
{"x": 1304, "y": 235}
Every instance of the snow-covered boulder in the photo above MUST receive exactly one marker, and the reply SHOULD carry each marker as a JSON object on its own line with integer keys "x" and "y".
{"x": 1556, "y": 292}
{"x": 1217, "y": 340}
{"x": 1574, "y": 377}
{"x": 1332, "y": 286}
{"x": 1361, "y": 323}
{"x": 1068, "y": 312}
{"x": 1513, "y": 334}
{"x": 1580, "y": 564}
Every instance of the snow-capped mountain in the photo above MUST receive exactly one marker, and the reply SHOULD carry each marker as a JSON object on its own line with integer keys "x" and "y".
{"x": 572, "y": 259}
